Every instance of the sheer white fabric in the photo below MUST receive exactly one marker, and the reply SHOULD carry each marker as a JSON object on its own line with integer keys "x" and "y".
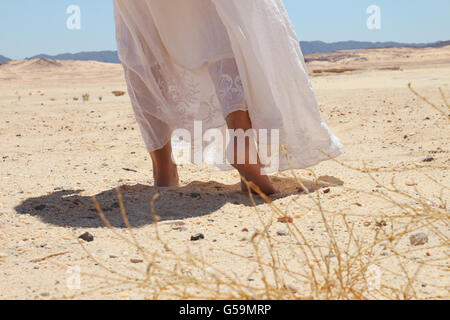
{"x": 199, "y": 60}
{"x": 227, "y": 81}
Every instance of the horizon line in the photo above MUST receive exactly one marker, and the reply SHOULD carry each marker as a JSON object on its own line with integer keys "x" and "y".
{"x": 301, "y": 41}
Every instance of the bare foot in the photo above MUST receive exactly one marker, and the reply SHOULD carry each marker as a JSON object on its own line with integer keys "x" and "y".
{"x": 267, "y": 188}
{"x": 251, "y": 172}
{"x": 166, "y": 176}
{"x": 165, "y": 172}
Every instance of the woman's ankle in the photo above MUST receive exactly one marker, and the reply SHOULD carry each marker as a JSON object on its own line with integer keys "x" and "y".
{"x": 165, "y": 172}
{"x": 252, "y": 173}
{"x": 166, "y": 178}
{"x": 165, "y": 175}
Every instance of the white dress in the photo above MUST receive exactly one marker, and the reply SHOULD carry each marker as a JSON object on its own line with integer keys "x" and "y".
{"x": 196, "y": 61}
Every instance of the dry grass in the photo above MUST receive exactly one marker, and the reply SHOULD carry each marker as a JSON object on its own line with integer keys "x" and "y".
{"x": 351, "y": 268}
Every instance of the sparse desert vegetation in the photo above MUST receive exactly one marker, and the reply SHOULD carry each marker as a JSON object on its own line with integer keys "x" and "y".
{"x": 372, "y": 224}
{"x": 86, "y": 97}
{"x": 335, "y": 70}
{"x": 118, "y": 93}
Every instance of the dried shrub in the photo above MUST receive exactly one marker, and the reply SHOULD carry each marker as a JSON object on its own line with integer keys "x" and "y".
{"x": 335, "y": 70}
{"x": 86, "y": 97}
{"x": 119, "y": 93}
{"x": 390, "y": 69}
{"x": 350, "y": 268}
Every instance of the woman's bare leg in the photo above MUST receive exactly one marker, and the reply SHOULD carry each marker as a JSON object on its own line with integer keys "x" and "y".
{"x": 251, "y": 172}
{"x": 165, "y": 172}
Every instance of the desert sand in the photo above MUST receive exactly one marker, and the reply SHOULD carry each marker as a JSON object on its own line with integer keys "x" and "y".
{"x": 59, "y": 149}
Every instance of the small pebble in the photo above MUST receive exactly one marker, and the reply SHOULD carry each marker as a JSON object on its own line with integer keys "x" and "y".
{"x": 211, "y": 272}
{"x": 292, "y": 288}
{"x": 282, "y": 233}
{"x": 136, "y": 260}
{"x": 381, "y": 224}
{"x": 418, "y": 239}
{"x": 179, "y": 228}
{"x": 411, "y": 183}
{"x": 429, "y": 158}
{"x": 197, "y": 237}
{"x": 87, "y": 237}
{"x": 286, "y": 219}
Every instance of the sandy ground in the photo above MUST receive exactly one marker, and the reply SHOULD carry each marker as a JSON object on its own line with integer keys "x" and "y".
{"x": 56, "y": 153}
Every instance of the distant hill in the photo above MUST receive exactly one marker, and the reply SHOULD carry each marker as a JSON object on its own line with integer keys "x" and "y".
{"x": 101, "y": 56}
{"x": 3, "y": 59}
{"x": 308, "y": 47}
{"x": 439, "y": 44}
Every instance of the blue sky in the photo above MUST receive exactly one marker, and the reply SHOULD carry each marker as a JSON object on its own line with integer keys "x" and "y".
{"x": 30, "y": 27}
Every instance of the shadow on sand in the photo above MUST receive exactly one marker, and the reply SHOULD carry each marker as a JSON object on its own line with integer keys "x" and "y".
{"x": 69, "y": 209}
